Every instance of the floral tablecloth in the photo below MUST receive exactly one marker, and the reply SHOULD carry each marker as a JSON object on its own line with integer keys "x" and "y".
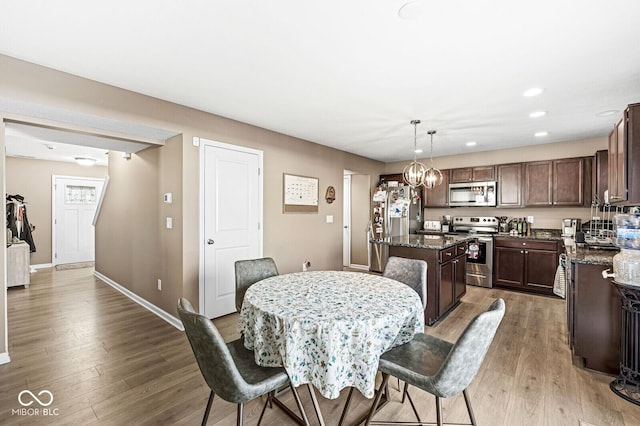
{"x": 329, "y": 328}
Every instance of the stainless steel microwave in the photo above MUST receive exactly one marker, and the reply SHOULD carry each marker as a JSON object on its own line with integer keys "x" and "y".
{"x": 472, "y": 194}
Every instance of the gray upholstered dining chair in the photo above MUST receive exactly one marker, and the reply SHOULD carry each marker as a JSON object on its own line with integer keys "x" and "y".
{"x": 249, "y": 272}
{"x": 412, "y": 272}
{"x": 230, "y": 370}
{"x": 439, "y": 367}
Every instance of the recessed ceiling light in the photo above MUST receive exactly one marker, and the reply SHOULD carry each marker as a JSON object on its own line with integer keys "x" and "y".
{"x": 540, "y": 134}
{"x": 471, "y": 143}
{"x": 534, "y": 91}
{"x": 607, "y": 113}
{"x": 85, "y": 161}
{"x": 537, "y": 114}
{"x": 411, "y": 10}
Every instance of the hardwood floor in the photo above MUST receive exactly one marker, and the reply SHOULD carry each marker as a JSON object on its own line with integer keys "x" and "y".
{"x": 106, "y": 360}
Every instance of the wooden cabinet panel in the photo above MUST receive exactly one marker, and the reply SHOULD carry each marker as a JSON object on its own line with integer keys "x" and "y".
{"x": 568, "y": 182}
{"x": 438, "y": 196}
{"x": 473, "y": 174}
{"x": 460, "y": 285}
{"x": 596, "y": 316}
{"x": 624, "y": 158}
{"x": 538, "y": 183}
{"x": 445, "y": 278}
{"x": 509, "y": 185}
{"x": 564, "y": 182}
{"x": 445, "y": 299}
{"x": 462, "y": 175}
{"x": 508, "y": 267}
{"x": 540, "y": 268}
{"x": 600, "y": 176}
{"x": 525, "y": 264}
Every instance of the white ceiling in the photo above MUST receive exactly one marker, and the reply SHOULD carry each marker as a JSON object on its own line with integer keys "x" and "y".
{"x": 352, "y": 74}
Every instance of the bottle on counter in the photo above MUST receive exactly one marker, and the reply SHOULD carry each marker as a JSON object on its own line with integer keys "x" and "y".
{"x": 525, "y": 226}
{"x": 519, "y": 226}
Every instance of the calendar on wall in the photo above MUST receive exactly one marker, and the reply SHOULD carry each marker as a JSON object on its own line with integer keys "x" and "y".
{"x": 300, "y": 194}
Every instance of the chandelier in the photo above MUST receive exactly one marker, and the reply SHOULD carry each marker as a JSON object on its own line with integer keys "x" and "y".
{"x": 414, "y": 173}
{"x": 432, "y": 176}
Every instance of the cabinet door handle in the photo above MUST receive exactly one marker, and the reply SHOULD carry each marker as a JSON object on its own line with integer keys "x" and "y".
{"x": 448, "y": 254}
{"x": 521, "y": 251}
{"x": 526, "y": 252}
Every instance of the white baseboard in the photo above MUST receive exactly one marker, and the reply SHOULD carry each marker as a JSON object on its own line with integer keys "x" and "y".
{"x": 362, "y": 267}
{"x": 42, "y": 266}
{"x": 142, "y": 302}
{"x": 4, "y": 358}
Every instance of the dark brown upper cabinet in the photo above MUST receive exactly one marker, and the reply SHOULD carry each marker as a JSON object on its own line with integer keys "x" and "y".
{"x": 565, "y": 182}
{"x": 473, "y": 174}
{"x": 509, "y": 185}
{"x": 624, "y": 158}
{"x": 438, "y": 196}
{"x": 600, "y": 175}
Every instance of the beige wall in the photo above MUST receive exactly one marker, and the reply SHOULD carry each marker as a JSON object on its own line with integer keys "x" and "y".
{"x": 136, "y": 263}
{"x": 32, "y": 179}
{"x": 360, "y": 216}
{"x": 548, "y": 218}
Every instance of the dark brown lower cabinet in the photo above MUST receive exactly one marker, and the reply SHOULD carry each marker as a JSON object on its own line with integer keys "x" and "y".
{"x": 446, "y": 272}
{"x": 594, "y": 314}
{"x": 525, "y": 264}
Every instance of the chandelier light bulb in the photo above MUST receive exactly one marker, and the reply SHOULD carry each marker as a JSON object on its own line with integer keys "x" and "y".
{"x": 415, "y": 172}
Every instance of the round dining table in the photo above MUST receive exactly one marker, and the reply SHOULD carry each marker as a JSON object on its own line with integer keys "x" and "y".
{"x": 329, "y": 328}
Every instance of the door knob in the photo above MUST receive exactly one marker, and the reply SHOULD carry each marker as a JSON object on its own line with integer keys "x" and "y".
{"x": 210, "y": 241}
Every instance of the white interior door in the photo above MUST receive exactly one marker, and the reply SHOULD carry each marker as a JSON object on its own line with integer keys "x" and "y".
{"x": 346, "y": 221}
{"x": 75, "y": 201}
{"x": 231, "y": 220}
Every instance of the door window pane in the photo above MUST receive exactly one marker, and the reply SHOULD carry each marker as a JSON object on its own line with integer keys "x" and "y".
{"x": 77, "y": 194}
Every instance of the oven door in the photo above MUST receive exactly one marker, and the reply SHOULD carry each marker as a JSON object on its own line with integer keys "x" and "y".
{"x": 480, "y": 262}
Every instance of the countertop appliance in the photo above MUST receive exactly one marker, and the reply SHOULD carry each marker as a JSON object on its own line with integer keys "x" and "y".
{"x": 472, "y": 194}
{"x": 570, "y": 226}
{"x": 480, "y": 251}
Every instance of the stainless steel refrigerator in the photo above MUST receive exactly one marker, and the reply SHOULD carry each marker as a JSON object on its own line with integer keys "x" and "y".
{"x": 394, "y": 209}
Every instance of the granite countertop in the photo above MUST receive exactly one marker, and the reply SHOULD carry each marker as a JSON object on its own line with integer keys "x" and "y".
{"x": 434, "y": 242}
{"x": 591, "y": 256}
{"x": 536, "y": 234}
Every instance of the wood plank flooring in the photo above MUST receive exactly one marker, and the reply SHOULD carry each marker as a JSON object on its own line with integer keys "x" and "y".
{"x": 108, "y": 361}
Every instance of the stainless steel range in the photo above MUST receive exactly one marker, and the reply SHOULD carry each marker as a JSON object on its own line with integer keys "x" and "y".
{"x": 479, "y": 251}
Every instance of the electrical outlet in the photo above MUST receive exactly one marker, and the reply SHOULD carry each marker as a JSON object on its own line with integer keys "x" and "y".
{"x": 305, "y": 266}
{"x": 530, "y": 219}
{"x": 159, "y": 284}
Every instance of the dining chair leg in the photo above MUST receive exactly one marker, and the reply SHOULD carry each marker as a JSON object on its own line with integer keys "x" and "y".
{"x": 346, "y": 407}
{"x": 469, "y": 409}
{"x": 264, "y": 407}
{"x": 376, "y": 401}
{"x": 240, "y": 414}
{"x": 316, "y": 406}
{"x": 296, "y": 396}
{"x": 206, "y": 411}
{"x": 415, "y": 410}
{"x": 405, "y": 392}
{"x": 438, "y": 411}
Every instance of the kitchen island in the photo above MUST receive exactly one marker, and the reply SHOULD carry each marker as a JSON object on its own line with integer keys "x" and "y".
{"x": 446, "y": 260}
{"x": 593, "y": 309}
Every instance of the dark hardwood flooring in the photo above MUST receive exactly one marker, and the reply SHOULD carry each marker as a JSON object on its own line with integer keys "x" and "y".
{"x": 106, "y": 360}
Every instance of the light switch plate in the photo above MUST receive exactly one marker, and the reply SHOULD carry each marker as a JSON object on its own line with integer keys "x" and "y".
{"x": 329, "y": 218}
{"x": 169, "y": 223}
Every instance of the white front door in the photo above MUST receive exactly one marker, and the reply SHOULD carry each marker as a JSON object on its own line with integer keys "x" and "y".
{"x": 74, "y": 206}
{"x": 231, "y": 216}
